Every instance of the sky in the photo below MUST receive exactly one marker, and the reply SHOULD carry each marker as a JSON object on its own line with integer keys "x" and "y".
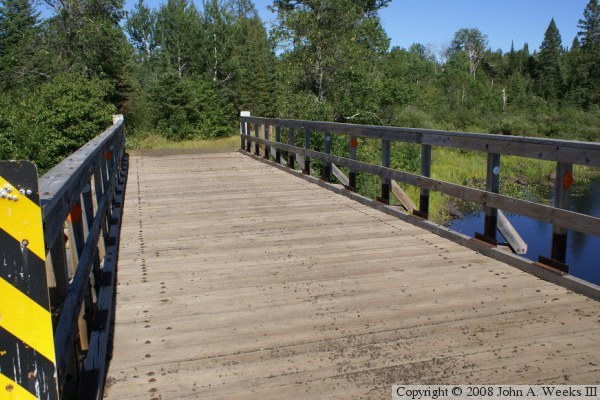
{"x": 434, "y": 22}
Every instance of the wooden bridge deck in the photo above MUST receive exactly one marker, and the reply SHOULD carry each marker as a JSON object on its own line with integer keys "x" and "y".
{"x": 238, "y": 280}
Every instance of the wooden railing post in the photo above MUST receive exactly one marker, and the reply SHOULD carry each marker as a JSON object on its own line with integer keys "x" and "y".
{"x": 306, "y": 169}
{"x": 326, "y": 176}
{"x": 562, "y": 195}
{"x": 242, "y": 137}
{"x": 492, "y": 185}
{"x": 243, "y": 128}
{"x": 385, "y": 162}
{"x": 278, "y": 140}
{"x": 353, "y": 145}
{"x": 291, "y": 155}
{"x": 256, "y": 145}
{"x": 425, "y": 171}
{"x": 266, "y": 135}
{"x": 248, "y": 133}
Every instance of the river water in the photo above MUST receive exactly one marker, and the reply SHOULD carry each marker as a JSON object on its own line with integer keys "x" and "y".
{"x": 583, "y": 251}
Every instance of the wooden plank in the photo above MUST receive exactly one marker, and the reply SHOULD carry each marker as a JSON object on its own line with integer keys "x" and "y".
{"x": 339, "y": 174}
{"x": 583, "y": 153}
{"x": 564, "y": 218}
{"x": 234, "y": 292}
{"x": 510, "y": 234}
{"x": 404, "y": 199}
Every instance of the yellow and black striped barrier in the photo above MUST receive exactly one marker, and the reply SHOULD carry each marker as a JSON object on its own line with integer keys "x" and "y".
{"x": 27, "y": 354}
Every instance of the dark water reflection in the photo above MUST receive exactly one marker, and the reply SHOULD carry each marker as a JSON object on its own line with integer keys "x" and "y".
{"x": 583, "y": 251}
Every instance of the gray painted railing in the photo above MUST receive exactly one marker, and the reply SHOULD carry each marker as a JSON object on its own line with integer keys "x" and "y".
{"x": 82, "y": 201}
{"x": 564, "y": 153}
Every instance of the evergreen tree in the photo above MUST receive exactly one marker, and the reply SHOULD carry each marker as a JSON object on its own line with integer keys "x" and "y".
{"x": 20, "y": 62}
{"x": 85, "y": 36}
{"x": 587, "y": 79}
{"x": 255, "y": 76}
{"x": 590, "y": 26}
{"x": 549, "y": 71}
{"x": 180, "y": 35}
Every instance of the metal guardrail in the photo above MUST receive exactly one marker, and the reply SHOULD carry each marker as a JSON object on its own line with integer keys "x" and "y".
{"x": 564, "y": 153}
{"x": 82, "y": 202}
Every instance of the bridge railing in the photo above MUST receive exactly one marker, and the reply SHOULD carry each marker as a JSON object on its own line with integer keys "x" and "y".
{"x": 563, "y": 153}
{"x": 59, "y": 238}
{"x": 81, "y": 200}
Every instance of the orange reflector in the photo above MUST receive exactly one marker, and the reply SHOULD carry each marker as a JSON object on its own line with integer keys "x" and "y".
{"x": 107, "y": 155}
{"x": 568, "y": 179}
{"x": 354, "y": 143}
{"x": 75, "y": 213}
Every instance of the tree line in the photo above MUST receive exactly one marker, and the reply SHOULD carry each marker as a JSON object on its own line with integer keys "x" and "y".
{"x": 185, "y": 71}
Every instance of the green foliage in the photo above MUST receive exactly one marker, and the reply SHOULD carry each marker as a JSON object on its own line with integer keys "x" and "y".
{"x": 52, "y": 122}
{"x": 332, "y": 49}
{"x": 189, "y": 70}
{"x": 141, "y": 26}
{"x": 549, "y": 71}
{"x": 585, "y": 61}
{"x": 68, "y": 112}
{"x": 184, "y": 108}
{"x": 86, "y": 37}
{"x": 20, "y": 63}
{"x": 255, "y": 74}
{"x": 179, "y": 31}
{"x": 473, "y": 43}
{"x": 590, "y": 26}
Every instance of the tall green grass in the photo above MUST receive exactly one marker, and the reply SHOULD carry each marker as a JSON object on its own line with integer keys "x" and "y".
{"x": 159, "y": 142}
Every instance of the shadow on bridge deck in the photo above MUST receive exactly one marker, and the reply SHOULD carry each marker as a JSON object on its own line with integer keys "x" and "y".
{"x": 238, "y": 280}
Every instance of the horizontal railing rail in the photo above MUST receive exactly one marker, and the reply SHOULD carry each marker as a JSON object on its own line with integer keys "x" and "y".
{"x": 82, "y": 199}
{"x": 564, "y": 153}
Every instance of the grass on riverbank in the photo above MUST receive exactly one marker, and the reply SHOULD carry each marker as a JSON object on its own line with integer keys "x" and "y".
{"x": 521, "y": 178}
{"x": 159, "y": 142}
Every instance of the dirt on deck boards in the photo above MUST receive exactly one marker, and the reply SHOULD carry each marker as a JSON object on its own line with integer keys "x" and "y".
{"x": 238, "y": 280}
